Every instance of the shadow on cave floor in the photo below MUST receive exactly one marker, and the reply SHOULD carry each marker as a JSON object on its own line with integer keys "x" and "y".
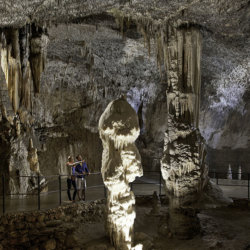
{"x": 221, "y": 228}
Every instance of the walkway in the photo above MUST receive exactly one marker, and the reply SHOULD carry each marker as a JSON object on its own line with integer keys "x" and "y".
{"x": 145, "y": 185}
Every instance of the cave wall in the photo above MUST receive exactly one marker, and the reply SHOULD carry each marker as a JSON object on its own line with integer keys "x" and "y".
{"x": 225, "y": 107}
{"x": 88, "y": 66}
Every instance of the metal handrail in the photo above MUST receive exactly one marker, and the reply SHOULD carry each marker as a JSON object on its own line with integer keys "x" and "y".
{"x": 39, "y": 192}
{"x": 216, "y": 176}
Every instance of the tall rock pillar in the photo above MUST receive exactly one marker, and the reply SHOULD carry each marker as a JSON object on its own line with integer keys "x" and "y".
{"x": 121, "y": 163}
{"x": 182, "y": 164}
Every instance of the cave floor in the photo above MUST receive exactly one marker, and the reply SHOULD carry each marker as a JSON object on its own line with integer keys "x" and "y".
{"x": 221, "y": 228}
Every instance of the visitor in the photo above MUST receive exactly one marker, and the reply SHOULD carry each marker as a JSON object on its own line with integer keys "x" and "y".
{"x": 81, "y": 172}
{"x": 71, "y": 179}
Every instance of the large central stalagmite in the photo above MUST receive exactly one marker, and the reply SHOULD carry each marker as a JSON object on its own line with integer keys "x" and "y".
{"x": 121, "y": 163}
{"x": 182, "y": 164}
{"x": 182, "y": 167}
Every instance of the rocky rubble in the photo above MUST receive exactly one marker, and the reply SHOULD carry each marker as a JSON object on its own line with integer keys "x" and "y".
{"x": 50, "y": 229}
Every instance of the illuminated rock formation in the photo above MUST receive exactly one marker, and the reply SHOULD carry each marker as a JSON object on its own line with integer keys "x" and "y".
{"x": 23, "y": 54}
{"x": 178, "y": 52}
{"x": 121, "y": 164}
{"x": 182, "y": 163}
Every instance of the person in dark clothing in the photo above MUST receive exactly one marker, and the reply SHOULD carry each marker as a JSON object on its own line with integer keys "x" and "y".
{"x": 71, "y": 179}
{"x": 81, "y": 171}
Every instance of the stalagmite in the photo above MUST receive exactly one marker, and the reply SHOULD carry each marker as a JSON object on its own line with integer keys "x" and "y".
{"x": 229, "y": 172}
{"x": 10, "y": 62}
{"x": 33, "y": 158}
{"x": 121, "y": 163}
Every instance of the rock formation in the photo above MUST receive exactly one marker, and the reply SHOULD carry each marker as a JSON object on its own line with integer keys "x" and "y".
{"x": 33, "y": 158}
{"x": 183, "y": 166}
{"x": 23, "y": 55}
{"x": 121, "y": 164}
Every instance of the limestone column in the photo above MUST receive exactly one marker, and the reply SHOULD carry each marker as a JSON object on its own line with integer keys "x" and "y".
{"x": 121, "y": 163}
{"x": 182, "y": 163}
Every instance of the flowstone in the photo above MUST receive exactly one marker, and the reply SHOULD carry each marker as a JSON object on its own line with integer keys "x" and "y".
{"x": 121, "y": 164}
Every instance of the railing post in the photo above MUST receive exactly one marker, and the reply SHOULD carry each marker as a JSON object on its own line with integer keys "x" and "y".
{"x": 105, "y": 192}
{"x": 60, "y": 189}
{"x": 38, "y": 191}
{"x": 3, "y": 183}
{"x": 160, "y": 185}
{"x": 84, "y": 188}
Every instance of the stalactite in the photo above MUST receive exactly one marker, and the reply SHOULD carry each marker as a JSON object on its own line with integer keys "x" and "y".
{"x": 23, "y": 55}
{"x": 122, "y": 21}
{"x": 38, "y": 53}
{"x": 10, "y": 61}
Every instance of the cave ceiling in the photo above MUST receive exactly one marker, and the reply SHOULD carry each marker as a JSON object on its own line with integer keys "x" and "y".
{"x": 225, "y": 17}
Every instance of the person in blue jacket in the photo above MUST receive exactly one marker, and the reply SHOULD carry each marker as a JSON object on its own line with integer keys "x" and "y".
{"x": 81, "y": 171}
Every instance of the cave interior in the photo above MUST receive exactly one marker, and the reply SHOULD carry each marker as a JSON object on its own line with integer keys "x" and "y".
{"x": 184, "y": 68}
